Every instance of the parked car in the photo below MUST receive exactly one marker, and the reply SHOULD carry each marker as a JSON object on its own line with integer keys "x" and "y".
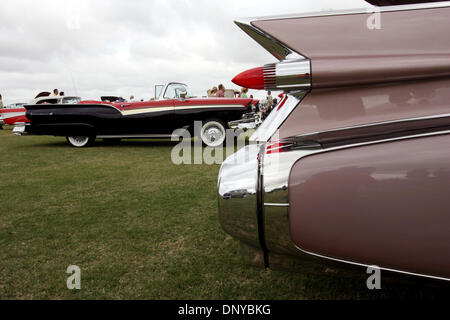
{"x": 15, "y": 113}
{"x": 12, "y": 113}
{"x": 353, "y": 164}
{"x": 172, "y": 108}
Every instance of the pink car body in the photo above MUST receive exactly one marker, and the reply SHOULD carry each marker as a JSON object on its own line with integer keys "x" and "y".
{"x": 353, "y": 165}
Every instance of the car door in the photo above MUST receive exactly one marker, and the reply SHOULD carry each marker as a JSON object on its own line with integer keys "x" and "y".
{"x": 151, "y": 117}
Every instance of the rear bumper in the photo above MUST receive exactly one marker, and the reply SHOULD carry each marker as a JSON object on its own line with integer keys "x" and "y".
{"x": 238, "y": 195}
{"x": 20, "y": 129}
{"x": 247, "y": 123}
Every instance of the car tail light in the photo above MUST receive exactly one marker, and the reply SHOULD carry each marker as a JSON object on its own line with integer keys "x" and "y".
{"x": 286, "y": 75}
{"x": 252, "y": 79}
{"x": 279, "y": 146}
{"x": 290, "y": 144}
{"x": 282, "y": 103}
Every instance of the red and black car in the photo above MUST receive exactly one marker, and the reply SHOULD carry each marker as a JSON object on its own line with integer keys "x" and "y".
{"x": 173, "y": 108}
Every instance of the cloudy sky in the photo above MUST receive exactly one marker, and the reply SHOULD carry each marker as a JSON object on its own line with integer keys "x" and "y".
{"x": 124, "y": 47}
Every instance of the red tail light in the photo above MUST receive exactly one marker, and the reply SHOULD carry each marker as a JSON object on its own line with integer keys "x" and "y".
{"x": 282, "y": 103}
{"x": 279, "y": 146}
{"x": 252, "y": 79}
{"x": 286, "y": 75}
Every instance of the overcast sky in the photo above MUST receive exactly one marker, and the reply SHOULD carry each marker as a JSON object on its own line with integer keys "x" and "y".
{"x": 124, "y": 47}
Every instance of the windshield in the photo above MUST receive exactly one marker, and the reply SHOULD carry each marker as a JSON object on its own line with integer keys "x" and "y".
{"x": 174, "y": 90}
{"x": 72, "y": 100}
{"x": 158, "y": 90}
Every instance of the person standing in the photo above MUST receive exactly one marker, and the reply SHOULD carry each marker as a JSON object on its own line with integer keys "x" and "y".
{"x": 270, "y": 99}
{"x": 243, "y": 93}
{"x": 221, "y": 92}
{"x": 212, "y": 92}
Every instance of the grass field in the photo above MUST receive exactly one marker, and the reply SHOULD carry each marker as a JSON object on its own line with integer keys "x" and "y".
{"x": 139, "y": 227}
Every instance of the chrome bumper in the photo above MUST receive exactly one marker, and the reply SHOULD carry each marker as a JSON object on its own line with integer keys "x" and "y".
{"x": 20, "y": 129}
{"x": 254, "y": 204}
{"x": 238, "y": 199}
{"x": 246, "y": 124}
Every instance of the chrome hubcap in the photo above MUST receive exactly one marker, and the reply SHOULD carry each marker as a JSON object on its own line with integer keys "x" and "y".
{"x": 213, "y": 135}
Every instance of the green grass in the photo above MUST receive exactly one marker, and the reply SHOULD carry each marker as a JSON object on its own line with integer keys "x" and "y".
{"x": 139, "y": 227}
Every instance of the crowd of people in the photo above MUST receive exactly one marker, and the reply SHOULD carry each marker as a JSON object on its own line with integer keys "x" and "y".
{"x": 265, "y": 107}
{"x": 56, "y": 93}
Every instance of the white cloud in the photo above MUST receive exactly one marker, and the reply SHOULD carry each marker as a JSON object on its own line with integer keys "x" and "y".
{"x": 97, "y": 47}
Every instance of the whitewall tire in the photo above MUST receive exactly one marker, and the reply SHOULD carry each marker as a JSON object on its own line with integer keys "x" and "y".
{"x": 80, "y": 141}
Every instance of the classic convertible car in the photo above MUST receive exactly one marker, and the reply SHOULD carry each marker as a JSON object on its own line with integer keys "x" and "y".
{"x": 15, "y": 113}
{"x": 353, "y": 165}
{"x": 173, "y": 108}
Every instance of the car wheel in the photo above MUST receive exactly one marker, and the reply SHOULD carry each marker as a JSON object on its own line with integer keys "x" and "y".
{"x": 213, "y": 133}
{"x": 80, "y": 141}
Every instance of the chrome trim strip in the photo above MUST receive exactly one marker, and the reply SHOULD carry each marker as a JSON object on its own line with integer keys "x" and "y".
{"x": 135, "y": 136}
{"x": 362, "y": 10}
{"x": 277, "y": 117}
{"x": 7, "y": 115}
{"x": 283, "y": 205}
{"x": 288, "y": 75}
{"x": 275, "y": 47}
{"x": 367, "y": 265}
{"x": 370, "y": 125}
{"x": 177, "y": 108}
{"x": 20, "y": 128}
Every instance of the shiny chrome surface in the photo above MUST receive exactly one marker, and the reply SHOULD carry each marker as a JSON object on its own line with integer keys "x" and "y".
{"x": 310, "y": 136}
{"x": 275, "y": 172}
{"x": 136, "y": 136}
{"x": 213, "y": 134}
{"x": 19, "y": 129}
{"x": 276, "y": 48}
{"x": 278, "y": 116}
{"x": 277, "y": 205}
{"x": 245, "y": 124}
{"x": 374, "y": 131}
{"x": 238, "y": 188}
{"x": 288, "y": 75}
